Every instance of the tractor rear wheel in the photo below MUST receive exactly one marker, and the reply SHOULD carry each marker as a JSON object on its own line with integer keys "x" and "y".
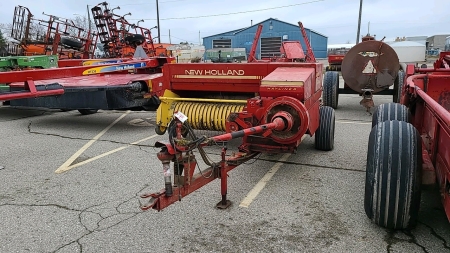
{"x": 324, "y": 136}
{"x": 330, "y": 93}
{"x": 390, "y": 111}
{"x": 160, "y": 130}
{"x": 393, "y": 175}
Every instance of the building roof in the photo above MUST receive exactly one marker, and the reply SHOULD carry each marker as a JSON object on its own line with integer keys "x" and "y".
{"x": 439, "y": 35}
{"x": 406, "y": 44}
{"x": 234, "y": 32}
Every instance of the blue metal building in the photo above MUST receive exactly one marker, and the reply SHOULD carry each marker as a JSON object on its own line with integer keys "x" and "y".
{"x": 273, "y": 33}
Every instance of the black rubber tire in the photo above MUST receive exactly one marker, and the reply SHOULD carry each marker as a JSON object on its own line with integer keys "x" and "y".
{"x": 398, "y": 86}
{"x": 324, "y": 136}
{"x": 160, "y": 130}
{"x": 330, "y": 95}
{"x": 390, "y": 111}
{"x": 87, "y": 111}
{"x": 393, "y": 175}
{"x": 71, "y": 43}
{"x": 135, "y": 39}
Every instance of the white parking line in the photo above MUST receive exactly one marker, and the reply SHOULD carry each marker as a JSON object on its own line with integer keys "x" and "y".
{"x": 262, "y": 183}
{"x": 110, "y": 152}
{"x": 66, "y": 165}
{"x": 353, "y": 122}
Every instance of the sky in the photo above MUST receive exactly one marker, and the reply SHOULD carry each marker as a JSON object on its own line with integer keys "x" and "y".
{"x": 190, "y": 20}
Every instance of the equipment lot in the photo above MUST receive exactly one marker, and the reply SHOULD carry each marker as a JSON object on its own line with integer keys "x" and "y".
{"x": 313, "y": 203}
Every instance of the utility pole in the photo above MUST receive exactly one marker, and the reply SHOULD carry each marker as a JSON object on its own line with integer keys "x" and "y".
{"x": 359, "y": 21}
{"x": 199, "y": 43}
{"x": 89, "y": 19}
{"x": 157, "y": 18}
{"x": 170, "y": 40}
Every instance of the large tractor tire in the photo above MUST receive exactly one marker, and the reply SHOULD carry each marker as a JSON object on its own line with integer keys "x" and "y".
{"x": 398, "y": 86}
{"x": 135, "y": 39}
{"x": 324, "y": 136}
{"x": 330, "y": 94}
{"x": 390, "y": 111}
{"x": 393, "y": 175}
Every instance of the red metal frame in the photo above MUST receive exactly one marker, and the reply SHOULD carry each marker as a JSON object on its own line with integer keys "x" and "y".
{"x": 309, "y": 52}
{"x": 251, "y": 56}
{"x": 188, "y": 182}
{"x": 46, "y": 74}
{"x": 429, "y": 95}
{"x": 25, "y": 80}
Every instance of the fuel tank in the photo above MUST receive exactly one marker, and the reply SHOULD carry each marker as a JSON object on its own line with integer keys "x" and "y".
{"x": 370, "y": 66}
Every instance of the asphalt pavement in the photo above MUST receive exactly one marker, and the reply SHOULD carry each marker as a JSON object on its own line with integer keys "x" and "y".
{"x": 70, "y": 183}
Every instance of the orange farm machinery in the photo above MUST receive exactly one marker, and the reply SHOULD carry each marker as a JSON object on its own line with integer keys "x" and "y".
{"x": 272, "y": 106}
{"x": 119, "y": 37}
{"x": 409, "y": 146}
{"x": 368, "y": 68}
{"x": 60, "y": 36}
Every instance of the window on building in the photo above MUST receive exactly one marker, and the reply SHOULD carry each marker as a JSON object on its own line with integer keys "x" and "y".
{"x": 270, "y": 47}
{"x": 222, "y": 43}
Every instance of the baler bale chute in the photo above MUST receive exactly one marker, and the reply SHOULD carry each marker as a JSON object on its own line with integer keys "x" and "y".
{"x": 369, "y": 68}
{"x": 272, "y": 106}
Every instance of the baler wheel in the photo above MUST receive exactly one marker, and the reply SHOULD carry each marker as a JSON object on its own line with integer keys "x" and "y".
{"x": 324, "y": 136}
{"x": 398, "y": 86}
{"x": 87, "y": 111}
{"x": 160, "y": 130}
{"x": 330, "y": 94}
{"x": 390, "y": 111}
{"x": 393, "y": 175}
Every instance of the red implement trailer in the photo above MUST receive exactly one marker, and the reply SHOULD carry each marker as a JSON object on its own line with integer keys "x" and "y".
{"x": 409, "y": 146}
{"x": 272, "y": 106}
{"x": 119, "y": 84}
{"x": 335, "y": 58}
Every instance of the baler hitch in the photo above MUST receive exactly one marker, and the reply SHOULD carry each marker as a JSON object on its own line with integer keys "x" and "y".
{"x": 179, "y": 150}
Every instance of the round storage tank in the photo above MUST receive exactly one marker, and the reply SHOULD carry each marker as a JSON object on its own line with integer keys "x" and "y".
{"x": 409, "y": 51}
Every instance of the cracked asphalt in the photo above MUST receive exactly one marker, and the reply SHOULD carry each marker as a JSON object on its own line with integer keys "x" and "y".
{"x": 313, "y": 203}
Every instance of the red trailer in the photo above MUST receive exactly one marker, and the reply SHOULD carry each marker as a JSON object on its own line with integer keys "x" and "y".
{"x": 409, "y": 146}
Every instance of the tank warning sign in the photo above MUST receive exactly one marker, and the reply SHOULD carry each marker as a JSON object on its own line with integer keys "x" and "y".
{"x": 369, "y": 54}
{"x": 369, "y": 68}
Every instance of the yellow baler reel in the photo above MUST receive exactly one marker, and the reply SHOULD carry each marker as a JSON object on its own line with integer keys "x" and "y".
{"x": 202, "y": 113}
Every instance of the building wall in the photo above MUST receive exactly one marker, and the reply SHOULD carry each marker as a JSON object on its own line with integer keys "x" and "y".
{"x": 437, "y": 42}
{"x": 271, "y": 28}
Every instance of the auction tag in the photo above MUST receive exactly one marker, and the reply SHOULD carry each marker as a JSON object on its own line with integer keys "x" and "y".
{"x": 180, "y": 116}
